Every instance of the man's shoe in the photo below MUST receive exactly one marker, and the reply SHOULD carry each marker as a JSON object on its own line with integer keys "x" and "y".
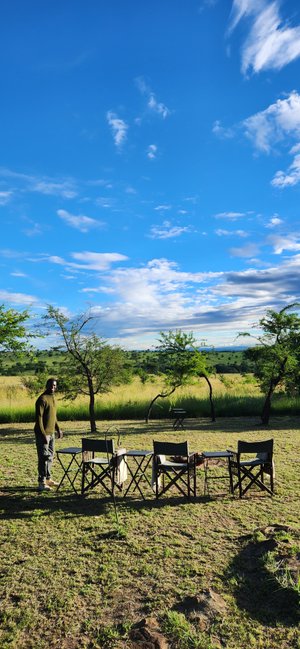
{"x": 52, "y": 483}
{"x": 44, "y": 487}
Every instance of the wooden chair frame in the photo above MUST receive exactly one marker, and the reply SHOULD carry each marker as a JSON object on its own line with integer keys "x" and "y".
{"x": 181, "y": 473}
{"x": 250, "y": 472}
{"x": 98, "y": 470}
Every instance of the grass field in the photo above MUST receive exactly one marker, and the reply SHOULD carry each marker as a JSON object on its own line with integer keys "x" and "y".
{"x": 234, "y": 395}
{"x": 211, "y": 573}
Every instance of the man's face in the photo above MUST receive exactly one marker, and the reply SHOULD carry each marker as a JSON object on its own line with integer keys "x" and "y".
{"x": 51, "y": 387}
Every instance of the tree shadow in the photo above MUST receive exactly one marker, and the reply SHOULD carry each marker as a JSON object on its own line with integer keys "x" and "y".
{"x": 257, "y": 590}
{"x": 23, "y": 502}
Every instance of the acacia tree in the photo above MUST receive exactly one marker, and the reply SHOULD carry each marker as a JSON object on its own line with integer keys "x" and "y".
{"x": 181, "y": 362}
{"x": 276, "y": 357}
{"x": 91, "y": 366}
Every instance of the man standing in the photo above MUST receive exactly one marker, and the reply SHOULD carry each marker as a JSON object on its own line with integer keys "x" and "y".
{"x": 45, "y": 426}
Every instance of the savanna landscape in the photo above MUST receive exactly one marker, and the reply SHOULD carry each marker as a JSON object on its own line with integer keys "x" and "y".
{"x": 87, "y": 572}
{"x": 150, "y": 296}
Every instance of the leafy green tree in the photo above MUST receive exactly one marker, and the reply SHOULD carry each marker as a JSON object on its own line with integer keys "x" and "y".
{"x": 14, "y": 335}
{"x": 181, "y": 362}
{"x": 276, "y": 357}
{"x": 91, "y": 366}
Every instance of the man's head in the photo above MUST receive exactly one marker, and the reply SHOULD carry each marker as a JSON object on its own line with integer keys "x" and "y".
{"x": 51, "y": 386}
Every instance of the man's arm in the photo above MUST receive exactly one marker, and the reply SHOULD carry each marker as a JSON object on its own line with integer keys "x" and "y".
{"x": 58, "y": 430}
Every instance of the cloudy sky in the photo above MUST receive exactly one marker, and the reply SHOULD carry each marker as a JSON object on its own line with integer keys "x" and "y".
{"x": 150, "y": 163}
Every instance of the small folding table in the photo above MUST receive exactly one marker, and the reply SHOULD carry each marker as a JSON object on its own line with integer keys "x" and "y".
{"x": 214, "y": 455}
{"x": 137, "y": 470}
{"x": 71, "y": 465}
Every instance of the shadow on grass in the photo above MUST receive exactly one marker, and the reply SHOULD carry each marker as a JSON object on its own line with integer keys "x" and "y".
{"x": 256, "y": 589}
{"x": 25, "y": 502}
{"x": 18, "y": 434}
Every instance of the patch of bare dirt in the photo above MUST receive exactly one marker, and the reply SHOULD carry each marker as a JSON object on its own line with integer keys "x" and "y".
{"x": 203, "y": 609}
{"x": 146, "y": 634}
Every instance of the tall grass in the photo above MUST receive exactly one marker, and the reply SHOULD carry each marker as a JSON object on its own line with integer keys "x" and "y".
{"x": 234, "y": 395}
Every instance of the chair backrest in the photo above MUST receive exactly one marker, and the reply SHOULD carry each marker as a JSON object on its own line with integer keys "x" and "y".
{"x": 98, "y": 445}
{"x": 171, "y": 448}
{"x": 264, "y": 450}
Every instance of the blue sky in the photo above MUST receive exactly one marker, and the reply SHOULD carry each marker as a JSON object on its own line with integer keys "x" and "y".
{"x": 150, "y": 163}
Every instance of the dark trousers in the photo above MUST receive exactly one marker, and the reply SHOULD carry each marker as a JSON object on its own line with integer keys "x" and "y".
{"x": 45, "y": 453}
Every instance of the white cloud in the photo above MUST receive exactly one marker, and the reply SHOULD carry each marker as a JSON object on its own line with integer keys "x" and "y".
{"x": 270, "y": 43}
{"x": 277, "y": 126}
{"x": 152, "y": 151}
{"x": 289, "y": 243}
{"x": 54, "y": 259}
{"x": 20, "y": 299}
{"x": 274, "y": 222}
{"x": 8, "y": 253}
{"x": 97, "y": 260}
{"x": 5, "y": 197}
{"x": 152, "y": 103}
{"x": 158, "y": 296}
{"x": 81, "y": 222}
{"x": 104, "y": 202}
{"x": 231, "y": 216}
{"x": 168, "y": 231}
{"x": 230, "y": 233}
{"x": 250, "y": 250}
{"x": 100, "y": 289}
{"x": 275, "y": 123}
{"x": 119, "y": 128}
{"x": 221, "y": 131}
{"x": 158, "y": 107}
{"x": 64, "y": 187}
{"x": 162, "y": 208}
{"x": 290, "y": 177}
{"x": 34, "y": 230}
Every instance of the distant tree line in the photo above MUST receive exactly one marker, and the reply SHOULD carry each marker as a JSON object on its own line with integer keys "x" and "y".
{"x": 88, "y": 364}
{"x": 143, "y": 363}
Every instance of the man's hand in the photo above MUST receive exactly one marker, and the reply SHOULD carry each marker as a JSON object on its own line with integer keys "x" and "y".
{"x": 60, "y": 434}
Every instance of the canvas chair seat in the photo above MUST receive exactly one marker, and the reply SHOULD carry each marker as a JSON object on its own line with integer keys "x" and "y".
{"x": 174, "y": 465}
{"x": 98, "y": 460}
{"x": 107, "y": 471}
{"x": 249, "y": 472}
{"x": 168, "y": 473}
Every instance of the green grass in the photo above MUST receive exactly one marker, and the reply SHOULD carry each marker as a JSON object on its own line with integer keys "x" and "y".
{"x": 227, "y": 405}
{"x": 234, "y": 396}
{"x": 215, "y": 572}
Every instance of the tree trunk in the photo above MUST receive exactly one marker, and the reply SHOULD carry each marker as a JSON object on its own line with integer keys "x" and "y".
{"x": 92, "y": 405}
{"x": 265, "y": 415}
{"x": 212, "y": 405}
{"x": 162, "y": 396}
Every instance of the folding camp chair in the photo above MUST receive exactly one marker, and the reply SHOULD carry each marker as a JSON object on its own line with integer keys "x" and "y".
{"x": 173, "y": 466}
{"x": 246, "y": 472}
{"x": 103, "y": 470}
